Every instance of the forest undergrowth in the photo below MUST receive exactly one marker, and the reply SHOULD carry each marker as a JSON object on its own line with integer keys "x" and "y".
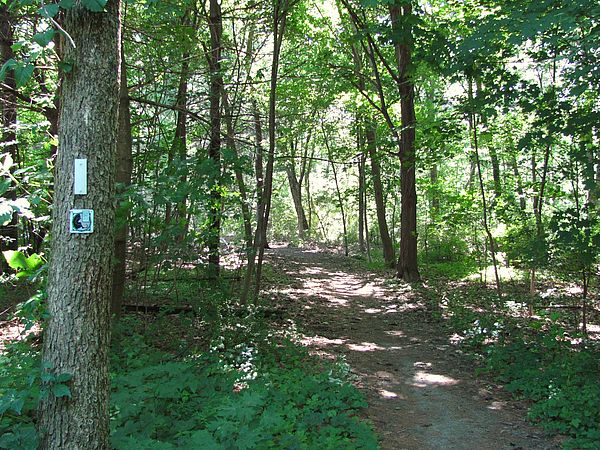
{"x": 543, "y": 358}
{"x": 218, "y": 376}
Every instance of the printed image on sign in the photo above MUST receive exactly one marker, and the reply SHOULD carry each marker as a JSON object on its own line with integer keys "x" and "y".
{"x": 81, "y": 220}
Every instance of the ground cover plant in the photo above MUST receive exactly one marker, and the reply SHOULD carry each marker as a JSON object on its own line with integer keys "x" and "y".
{"x": 544, "y": 359}
{"x": 244, "y": 385}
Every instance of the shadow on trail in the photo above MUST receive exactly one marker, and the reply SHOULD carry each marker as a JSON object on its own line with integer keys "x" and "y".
{"x": 421, "y": 390}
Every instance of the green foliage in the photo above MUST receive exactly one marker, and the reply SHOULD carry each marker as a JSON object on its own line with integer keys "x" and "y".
{"x": 19, "y": 394}
{"x": 524, "y": 247}
{"x": 446, "y": 254}
{"x": 252, "y": 390}
{"x": 94, "y": 5}
{"x": 546, "y": 368}
{"x": 575, "y": 241}
{"x": 33, "y": 310}
{"x": 43, "y": 39}
{"x": 33, "y": 270}
{"x": 535, "y": 359}
{"x": 29, "y": 267}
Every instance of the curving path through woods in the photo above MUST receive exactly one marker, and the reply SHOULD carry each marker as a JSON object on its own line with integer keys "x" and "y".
{"x": 422, "y": 391}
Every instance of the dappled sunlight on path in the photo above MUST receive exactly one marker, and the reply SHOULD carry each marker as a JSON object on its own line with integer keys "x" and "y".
{"x": 422, "y": 392}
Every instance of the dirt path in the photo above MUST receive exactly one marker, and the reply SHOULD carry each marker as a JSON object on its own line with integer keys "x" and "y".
{"x": 422, "y": 392}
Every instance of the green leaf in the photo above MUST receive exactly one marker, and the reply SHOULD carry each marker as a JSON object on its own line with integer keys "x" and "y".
{"x": 94, "y": 5}
{"x": 16, "y": 260}
{"x": 5, "y": 217}
{"x": 203, "y": 439}
{"x": 23, "y": 73}
{"x": 34, "y": 262}
{"x": 43, "y": 39}
{"x": 47, "y": 377}
{"x": 4, "y": 185}
{"x": 66, "y": 4}
{"x": 17, "y": 405}
{"x": 64, "y": 377}
{"x": 10, "y": 64}
{"x": 61, "y": 390}
{"x": 66, "y": 67}
{"x": 48, "y": 11}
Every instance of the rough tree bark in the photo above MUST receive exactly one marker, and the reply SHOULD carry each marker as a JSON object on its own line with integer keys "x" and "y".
{"x": 76, "y": 338}
{"x": 123, "y": 169}
{"x": 407, "y": 263}
{"x": 215, "y": 25}
{"x": 9, "y": 232}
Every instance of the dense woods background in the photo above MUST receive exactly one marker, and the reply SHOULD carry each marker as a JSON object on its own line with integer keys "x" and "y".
{"x": 450, "y": 142}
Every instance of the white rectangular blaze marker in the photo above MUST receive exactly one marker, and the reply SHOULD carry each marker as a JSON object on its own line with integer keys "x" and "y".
{"x": 80, "y": 177}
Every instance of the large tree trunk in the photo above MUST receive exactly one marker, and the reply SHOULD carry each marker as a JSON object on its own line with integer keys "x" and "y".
{"x": 76, "y": 338}
{"x": 123, "y": 170}
{"x": 386, "y": 241}
{"x": 214, "y": 148}
{"x": 9, "y": 232}
{"x": 407, "y": 263}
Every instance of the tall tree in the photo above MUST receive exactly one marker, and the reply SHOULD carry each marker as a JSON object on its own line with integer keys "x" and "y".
{"x": 401, "y": 15}
{"x": 9, "y": 232}
{"x": 384, "y": 234}
{"x": 401, "y": 72}
{"x": 281, "y": 8}
{"x": 123, "y": 170}
{"x": 296, "y": 180}
{"x": 215, "y": 25}
{"x": 76, "y": 338}
{"x": 239, "y": 174}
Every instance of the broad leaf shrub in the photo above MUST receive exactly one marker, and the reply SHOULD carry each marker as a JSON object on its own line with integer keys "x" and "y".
{"x": 19, "y": 394}
{"x": 253, "y": 389}
{"x": 560, "y": 379}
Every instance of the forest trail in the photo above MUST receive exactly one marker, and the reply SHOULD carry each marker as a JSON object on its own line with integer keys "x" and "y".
{"x": 422, "y": 392}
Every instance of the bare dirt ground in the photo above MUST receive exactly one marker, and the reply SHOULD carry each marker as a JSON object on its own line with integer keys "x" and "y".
{"x": 422, "y": 391}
